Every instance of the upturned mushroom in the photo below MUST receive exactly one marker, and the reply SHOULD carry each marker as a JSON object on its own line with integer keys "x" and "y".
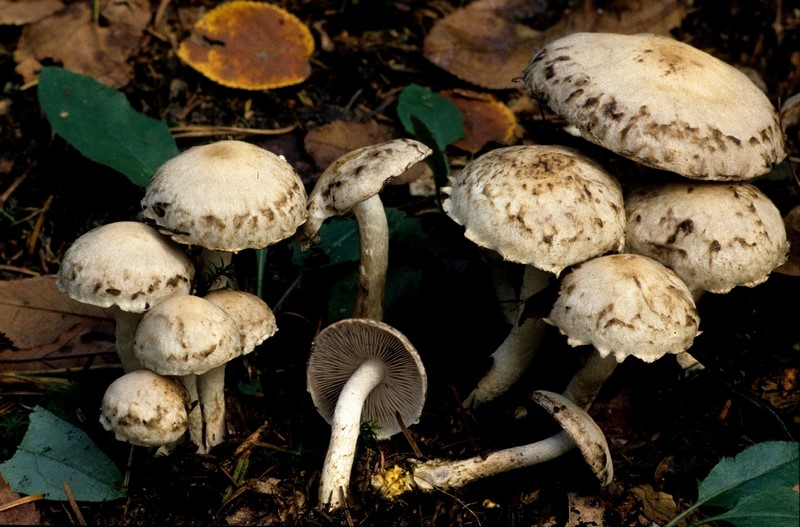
{"x": 579, "y": 430}
{"x": 660, "y": 102}
{"x": 361, "y": 371}
{"x": 353, "y": 183}
{"x": 128, "y": 266}
{"x": 146, "y": 409}
{"x": 622, "y": 305}
{"x": 225, "y": 197}
{"x": 545, "y": 207}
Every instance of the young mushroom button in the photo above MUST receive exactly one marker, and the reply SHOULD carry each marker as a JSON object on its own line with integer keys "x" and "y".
{"x": 352, "y": 183}
{"x": 361, "y": 370}
{"x": 660, "y": 102}
{"x": 129, "y": 266}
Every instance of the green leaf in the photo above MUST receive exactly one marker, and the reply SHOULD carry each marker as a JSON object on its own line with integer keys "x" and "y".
{"x": 101, "y": 124}
{"x": 769, "y": 508}
{"x": 441, "y": 118}
{"x": 54, "y": 451}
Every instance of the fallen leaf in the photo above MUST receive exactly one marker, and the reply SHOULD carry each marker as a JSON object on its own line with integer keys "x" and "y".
{"x": 21, "y": 12}
{"x": 658, "y": 507}
{"x": 43, "y": 329}
{"x": 585, "y": 510}
{"x": 81, "y": 45}
{"x": 22, "y": 514}
{"x": 486, "y": 120}
{"x": 487, "y": 44}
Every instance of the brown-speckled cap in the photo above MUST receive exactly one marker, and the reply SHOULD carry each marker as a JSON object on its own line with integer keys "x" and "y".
{"x": 626, "y": 304}
{"x": 254, "y": 318}
{"x": 545, "y": 206}
{"x": 660, "y": 102}
{"x": 126, "y": 264}
{"x": 714, "y": 235}
{"x": 226, "y": 196}
{"x": 337, "y": 352}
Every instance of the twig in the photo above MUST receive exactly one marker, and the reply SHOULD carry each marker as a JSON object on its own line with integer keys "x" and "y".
{"x": 20, "y": 270}
{"x": 193, "y": 130}
{"x": 73, "y": 504}
{"x": 21, "y": 501}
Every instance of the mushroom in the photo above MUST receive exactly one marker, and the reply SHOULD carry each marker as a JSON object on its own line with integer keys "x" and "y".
{"x": 579, "y": 430}
{"x": 144, "y": 408}
{"x": 715, "y": 236}
{"x": 623, "y": 305}
{"x": 361, "y": 370}
{"x": 660, "y": 102}
{"x": 128, "y": 266}
{"x": 546, "y": 207}
{"x": 353, "y": 182}
{"x": 225, "y": 196}
{"x": 190, "y": 337}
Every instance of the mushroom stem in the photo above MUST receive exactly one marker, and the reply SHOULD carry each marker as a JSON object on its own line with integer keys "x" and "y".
{"x": 194, "y": 421}
{"x": 373, "y": 231}
{"x": 446, "y": 474}
{"x": 512, "y": 358}
{"x": 211, "y": 392}
{"x": 213, "y": 263}
{"x": 589, "y": 379}
{"x": 345, "y": 428}
{"x": 124, "y": 327}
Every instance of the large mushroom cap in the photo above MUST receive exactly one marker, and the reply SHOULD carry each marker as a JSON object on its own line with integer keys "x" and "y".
{"x": 660, "y": 102}
{"x": 253, "y": 317}
{"x": 186, "y": 335}
{"x": 626, "y": 304}
{"x": 144, "y": 408}
{"x": 545, "y": 206}
{"x": 125, "y": 264}
{"x": 715, "y": 236}
{"x": 340, "y": 348}
{"x": 226, "y": 196}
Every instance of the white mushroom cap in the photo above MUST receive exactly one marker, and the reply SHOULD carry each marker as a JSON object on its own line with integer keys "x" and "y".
{"x": 144, "y": 408}
{"x": 126, "y": 264}
{"x": 546, "y": 206}
{"x": 626, "y": 304}
{"x": 186, "y": 335}
{"x": 226, "y": 196}
{"x": 660, "y": 102}
{"x": 253, "y": 317}
{"x": 338, "y": 351}
{"x": 715, "y": 236}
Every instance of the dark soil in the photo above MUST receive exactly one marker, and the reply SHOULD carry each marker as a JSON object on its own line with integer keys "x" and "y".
{"x": 666, "y": 428}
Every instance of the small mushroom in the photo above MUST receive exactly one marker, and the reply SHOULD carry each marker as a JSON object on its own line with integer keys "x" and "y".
{"x": 129, "y": 266}
{"x": 353, "y": 183}
{"x": 623, "y": 305}
{"x": 225, "y": 197}
{"x": 146, "y": 409}
{"x": 660, "y": 102}
{"x": 361, "y": 370}
{"x": 190, "y": 337}
{"x": 546, "y": 207}
{"x": 579, "y": 430}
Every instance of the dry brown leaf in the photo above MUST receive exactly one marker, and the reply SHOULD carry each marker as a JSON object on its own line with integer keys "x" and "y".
{"x": 486, "y": 120}
{"x": 72, "y": 38}
{"x": 21, "y": 12}
{"x": 486, "y": 44}
{"x": 585, "y": 510}
{"x": 658, "y": 507}
{"x": 22, "y": 514}
{"x": 44, "y": 329}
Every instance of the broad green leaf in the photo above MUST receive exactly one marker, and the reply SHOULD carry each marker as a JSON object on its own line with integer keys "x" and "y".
{"x": 54, "y": 451}
{"x": 441, "y": 118}
{"x": 102, "y": 125}
{"x": 767, "y": 465}
{"x": 769, "y": 508}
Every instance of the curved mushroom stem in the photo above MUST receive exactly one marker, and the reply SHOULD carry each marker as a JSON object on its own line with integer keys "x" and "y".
{"x": 211, "y": 394}
{"x": 345, "y": 428}
{"x": 124, "y": 326}
{"x": 373, "y": 231}
{"x": 512, "y": 358}
{"x": 445, "y": 474}
{"x": 589, "y": 379}
{"x": 194, "y": 421}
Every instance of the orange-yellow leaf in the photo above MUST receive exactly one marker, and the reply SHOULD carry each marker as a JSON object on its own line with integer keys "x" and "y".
{"x": 486, "y": 120}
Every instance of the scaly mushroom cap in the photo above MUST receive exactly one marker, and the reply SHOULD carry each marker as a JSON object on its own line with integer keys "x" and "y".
{"x": 660, "y": 102}
{"x": 253, "y": 317}
{"x": 545, "y": 206}
{"x": 186, "y": 335}
{"x": 226, "y": 196}
{"x": 144, "y": 408}
{"x": 715, "y": 236}
{"x": 626, "y": 304}
{"x": 357, "y": 176}
{"x": 125, "y": 264}
{"x": 340, "y": 348}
